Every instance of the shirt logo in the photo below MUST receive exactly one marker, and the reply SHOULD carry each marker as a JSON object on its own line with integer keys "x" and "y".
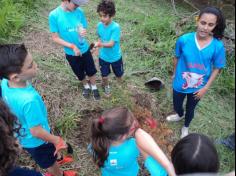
{"x": 193, "y": 80}
{"x": 113, "y": 162}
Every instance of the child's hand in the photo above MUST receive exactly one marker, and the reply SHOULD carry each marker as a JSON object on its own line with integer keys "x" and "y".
{"x": 98, "y": 44}
{"x": 59, "y": 145}
{"x": 82, "y": 32}
{"x": 77, "y": 51}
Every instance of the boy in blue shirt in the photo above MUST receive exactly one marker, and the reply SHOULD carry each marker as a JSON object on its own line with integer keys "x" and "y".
{"x": 17, "y": 68}
{"x": 109, "y": 33}
{"x": 68, "y": 26}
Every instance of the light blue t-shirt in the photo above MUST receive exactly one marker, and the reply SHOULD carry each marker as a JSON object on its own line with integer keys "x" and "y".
{"x": 195, "y": 65}
{"x": 112, "y": 32}
{"x": 66, "y": 25}
{"x": 154, "y": 168}
{"x": 122, "y": 160}
{"x": 29, "y": 108}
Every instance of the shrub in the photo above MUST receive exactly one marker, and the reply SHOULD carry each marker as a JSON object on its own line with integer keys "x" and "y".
{"x": 11, "y": 19}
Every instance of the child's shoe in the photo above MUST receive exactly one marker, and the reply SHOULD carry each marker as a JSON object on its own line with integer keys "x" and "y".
{"x": 184, "y": 132}
{"x": 107, "y": 90}
{"x": 86, "y": 93}
{"x": 96, "y": 94}
{"x": 70, "y": 173}
{"x": 65, "y": 160}
{"x": 174, "y": 118}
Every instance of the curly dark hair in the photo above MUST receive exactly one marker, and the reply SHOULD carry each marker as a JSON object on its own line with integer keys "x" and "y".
{"x": 107, "y": 7}
{"x": 8, "y": 144}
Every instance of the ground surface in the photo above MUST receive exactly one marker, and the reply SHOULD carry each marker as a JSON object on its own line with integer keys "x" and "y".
{"x": 70, "y": 115}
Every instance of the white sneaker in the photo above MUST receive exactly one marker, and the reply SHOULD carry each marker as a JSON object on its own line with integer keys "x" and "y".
{"x": 174, "y": 118}
{"x": 184, "y": 132}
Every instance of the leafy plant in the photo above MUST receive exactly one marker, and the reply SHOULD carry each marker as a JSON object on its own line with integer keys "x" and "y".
{"x": 11, "y": 20}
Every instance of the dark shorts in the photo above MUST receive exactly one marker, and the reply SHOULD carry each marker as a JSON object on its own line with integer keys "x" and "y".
{"x": 43, "y": 155}
{"x": 117, "y": 68}
{"x": 82, "y": 66}
{"x": 23, "y": 172}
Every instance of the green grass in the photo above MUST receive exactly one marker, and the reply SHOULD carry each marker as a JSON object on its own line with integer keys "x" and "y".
{"x": 149, "y": 35}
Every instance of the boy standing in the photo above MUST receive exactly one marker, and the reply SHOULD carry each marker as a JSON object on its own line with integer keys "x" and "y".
{"x": 109, "y": 33}
{"x": 16, "y": 69}
{"x": 68, "y": 26}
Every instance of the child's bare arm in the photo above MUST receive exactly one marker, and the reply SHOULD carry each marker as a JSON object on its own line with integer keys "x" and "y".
{"x": 105, "y": 45}
{"x": 39, "y": 132}
{"x": 147, "y": 144}
{"x": 56, "y": 38}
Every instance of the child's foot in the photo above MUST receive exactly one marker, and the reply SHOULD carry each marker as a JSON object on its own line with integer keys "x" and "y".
{"x": 96, "y": 94}
{"x": 86, "y": 93}
{"x": 65, "y": 160}
{"x": 174, "y": 118}
{"x": 70, "y": 173}
{"x": 107, "y": 90}
{"x": 184, "y": 132}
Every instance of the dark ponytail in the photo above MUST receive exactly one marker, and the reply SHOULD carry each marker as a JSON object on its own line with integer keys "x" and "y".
{"x": 110, "y": 127}
{"x": 100, "y": 143}
{"x": 218, "y": 32}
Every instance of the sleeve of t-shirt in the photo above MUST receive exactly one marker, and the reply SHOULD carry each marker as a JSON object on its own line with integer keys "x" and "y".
{"x": 116, "y": 34}
{"x": 154, "y": 167}
{"x": 33, "y": 114}
{"x": 219, "y": 60}
{"x": 178, "y": 47}
{"x": 53, "y": 23}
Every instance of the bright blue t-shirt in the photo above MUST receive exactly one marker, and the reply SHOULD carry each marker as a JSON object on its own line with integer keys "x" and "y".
{"x": 29, "y": 108}
{"x": 66, "y": 25}
{"x": 112, "y": 32}
{"x": 195, "y": 65}
{"x": 154, "y": 168}
{"x": 122, "y": 160}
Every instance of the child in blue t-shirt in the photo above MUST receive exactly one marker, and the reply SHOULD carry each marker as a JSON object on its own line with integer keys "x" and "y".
{"x": 8, "y": 145}
{"x": 109, "y": 33}
{"x": 199, "y": 57}
{"x": 68, "y": 26}
{"x": 17, "y": 68}
{"x": 116, "y": 152}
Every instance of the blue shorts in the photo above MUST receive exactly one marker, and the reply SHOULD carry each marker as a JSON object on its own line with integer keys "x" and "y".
{"x": 82, "y": 66}
{"x": 43, "y": 155}
{"x": 117, "y": 68}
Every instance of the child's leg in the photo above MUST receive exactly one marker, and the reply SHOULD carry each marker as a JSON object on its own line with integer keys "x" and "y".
{"x": 77, "y": 66}
{"x": 190, "y": 108}
{"x": 178, "y": 100}
{"x": 55, "y": 170}
{"x": 118, "y": 69}
{"x": 89, "y": 67}
{"x": 44, "y": 157}
{"x": 105, "y": 81}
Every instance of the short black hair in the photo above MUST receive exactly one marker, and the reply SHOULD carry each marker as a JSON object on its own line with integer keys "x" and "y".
{"x": 12, "y": 58}
{"x": 219, "y": 30}
{"x": 107, "y": 7}
{"x": 195, "y": 154}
